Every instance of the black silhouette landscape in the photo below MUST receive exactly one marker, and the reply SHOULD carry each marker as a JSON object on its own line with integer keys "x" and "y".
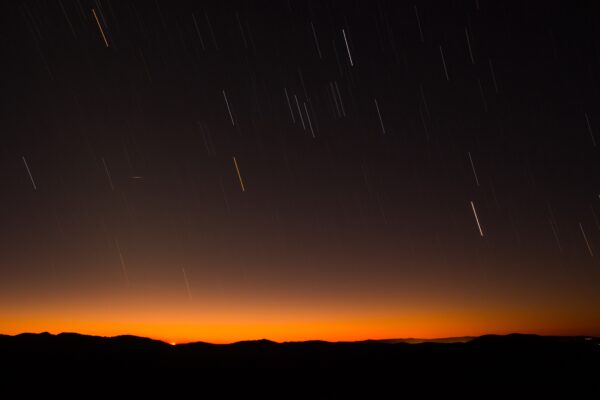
{"x": 518, "y": 350}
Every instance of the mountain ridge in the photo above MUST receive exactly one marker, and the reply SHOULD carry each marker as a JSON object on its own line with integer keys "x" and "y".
{"x": 520, "y": 350}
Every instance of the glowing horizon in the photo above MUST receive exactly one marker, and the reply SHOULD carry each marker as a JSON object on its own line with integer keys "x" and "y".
{"x": 177, "y": 319}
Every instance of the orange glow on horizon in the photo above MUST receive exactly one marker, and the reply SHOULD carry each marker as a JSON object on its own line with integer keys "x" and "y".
{"x": 423, "y": 307}
{"x": 175, "y": 330}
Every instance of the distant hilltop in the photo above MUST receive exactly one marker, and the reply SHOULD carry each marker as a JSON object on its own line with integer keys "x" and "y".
{"x": 71, "y": 349}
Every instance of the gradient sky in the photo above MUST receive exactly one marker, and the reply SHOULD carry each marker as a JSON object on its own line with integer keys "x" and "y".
{"x": 367, "y": 134}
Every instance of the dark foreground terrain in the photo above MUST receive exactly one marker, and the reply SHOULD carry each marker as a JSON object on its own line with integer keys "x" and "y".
{"x": 526, "y": 352}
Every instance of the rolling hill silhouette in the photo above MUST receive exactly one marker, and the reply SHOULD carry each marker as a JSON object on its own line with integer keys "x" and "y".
{"x": 516, "y": 350}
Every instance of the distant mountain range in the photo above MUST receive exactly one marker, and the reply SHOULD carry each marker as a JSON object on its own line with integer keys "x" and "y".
{"x": 460, "y": 339}
{"x": 70, "y": 349}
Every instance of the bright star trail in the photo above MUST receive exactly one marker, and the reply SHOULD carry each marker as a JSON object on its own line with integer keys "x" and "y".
{"x": 477, "y": 219}
{"x": 100, "y": 27}
{"x": 239, "y": 175}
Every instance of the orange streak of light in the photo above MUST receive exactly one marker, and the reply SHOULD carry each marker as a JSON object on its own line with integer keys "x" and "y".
{"x": 100, "y": 27}
{"x": 238, "y": 174}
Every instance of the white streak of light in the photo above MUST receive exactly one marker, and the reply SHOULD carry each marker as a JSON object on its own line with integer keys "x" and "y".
{"x": 469, "y": 45}
{"x": 477, "y": 219}
{"x": 316, "y": 40}
{"x": 586, "y": 240}
{"x": 29, "y": 172}
{"x": 309, "y": 122}
{"x": 348, "y": 48}
{"x": 228, "y": 108}
{"x": 300, "y": 112}
{"x": 444, "y": 62}
{"x": 289, "y": 105}
{"x": 473, "y": 167}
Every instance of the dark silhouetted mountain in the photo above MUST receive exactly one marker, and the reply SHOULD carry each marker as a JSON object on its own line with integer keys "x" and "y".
{"x": 460, "y": 339}
{"x": 518, "y": 351}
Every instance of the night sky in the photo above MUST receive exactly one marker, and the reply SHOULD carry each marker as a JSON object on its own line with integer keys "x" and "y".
{"x": 293, "y": 170}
